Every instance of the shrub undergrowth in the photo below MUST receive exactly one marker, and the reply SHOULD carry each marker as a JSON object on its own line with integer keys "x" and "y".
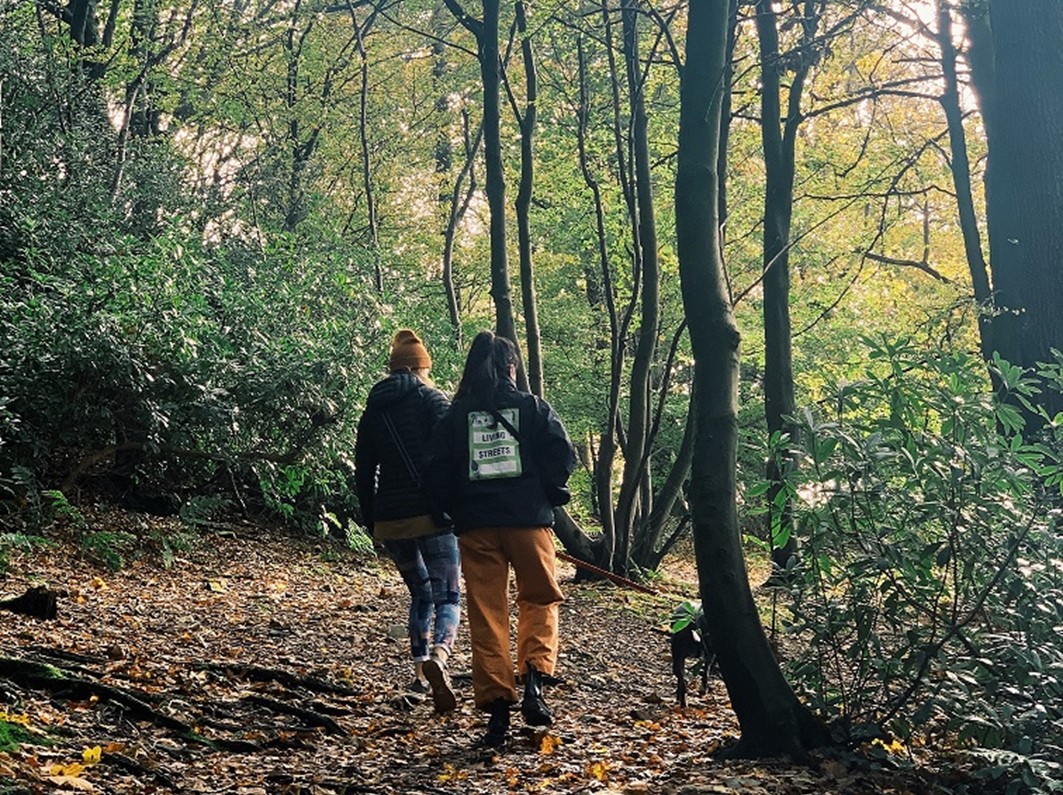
{"x": 928, "y": 587}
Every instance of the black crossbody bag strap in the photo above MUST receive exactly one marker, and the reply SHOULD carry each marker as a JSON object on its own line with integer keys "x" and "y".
{"x": 557, "y": 495}
{"x": 402, "y": 450}
{"x": 506, "y": 424}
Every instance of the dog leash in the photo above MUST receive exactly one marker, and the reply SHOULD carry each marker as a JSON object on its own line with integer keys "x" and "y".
{"x": 616, "y": 578}
{"x": 619, "y": 580}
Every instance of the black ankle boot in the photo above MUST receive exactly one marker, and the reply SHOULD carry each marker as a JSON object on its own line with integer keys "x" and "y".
{"x": 497, "y": 724}
{"x": 533, "y": 707}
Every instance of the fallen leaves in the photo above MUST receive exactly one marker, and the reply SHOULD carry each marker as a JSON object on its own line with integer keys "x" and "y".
{"x": 451, "y": 773}
{"x": 91, "y": 756}
{"x": 68, "y": 770}
{"x": 285, "y": 621}
{"x": 74, "y": 783}
{"x": 894, "y": 746}
{"x": 598, "y": 770}
{"x": 549, "y": 744}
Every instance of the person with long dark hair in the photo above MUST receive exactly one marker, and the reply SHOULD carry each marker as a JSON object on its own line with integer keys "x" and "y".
{"x": 388, "y": 467}
{"x": 498, "y": 462}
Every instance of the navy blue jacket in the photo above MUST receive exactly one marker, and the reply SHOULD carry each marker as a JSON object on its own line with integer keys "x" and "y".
{"x": 386, "y": 489}
{"x": 499, "y": 499}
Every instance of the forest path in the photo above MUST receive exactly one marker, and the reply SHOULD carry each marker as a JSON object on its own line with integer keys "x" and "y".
{"x": 264, "y": 664}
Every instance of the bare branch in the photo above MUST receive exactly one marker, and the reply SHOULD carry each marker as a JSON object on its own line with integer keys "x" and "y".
{"x": 905, "y": 263}
{"x": 473, "y": 25}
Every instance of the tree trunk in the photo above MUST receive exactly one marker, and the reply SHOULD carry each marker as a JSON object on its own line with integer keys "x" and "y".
{"x": 772, "y": 720}
{"x": 301, "y": 150}
{"x": 603, "y": 467}
{"x": 460, "y": 196}
{"x": 649, "y": 549}
{"x": 779, "y": 137}
{"x": 449, "y": 200}
{"x": 725, "y": 116}
{"x": 979, "y": 58}
{"x": 613, "y": 438}
{"x": 487, "y": 48}
{"x": 367, "y": 166}
{"x": 961, "y": 180}
{"x": 534, "y": 363}
{"x": 486, "y": 33}
{"x": 145, "y": 116}
{"x": 1024, "y": 195}
{"x": 572, "y": 538}
{"x": 443, "y": 147}
{"x": 646, "y": 344}
{"x": 84, "y": 27}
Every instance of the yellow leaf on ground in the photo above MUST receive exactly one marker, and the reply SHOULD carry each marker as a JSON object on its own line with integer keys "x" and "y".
{"x": 549, "y": 744}
{"x": 451, "y": 773}
{"x": 98, "y": 584}
{"x": 66, "y": 771}
{"x": 598, "y": 770}
{"x": 893, "y": 747}
{"x": 92, "y": 755}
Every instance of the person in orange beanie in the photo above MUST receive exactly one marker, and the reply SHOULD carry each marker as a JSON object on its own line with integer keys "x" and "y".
{"x": 388, "y": 464}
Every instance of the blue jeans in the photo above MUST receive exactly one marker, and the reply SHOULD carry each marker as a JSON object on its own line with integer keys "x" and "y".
{"x": 431, "y": 569}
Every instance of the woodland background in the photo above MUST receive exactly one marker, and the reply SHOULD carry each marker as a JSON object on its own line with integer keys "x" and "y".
{"x": 214, "y": 216}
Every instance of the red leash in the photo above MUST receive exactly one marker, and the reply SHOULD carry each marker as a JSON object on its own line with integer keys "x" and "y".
{"x": 616, "y": 578}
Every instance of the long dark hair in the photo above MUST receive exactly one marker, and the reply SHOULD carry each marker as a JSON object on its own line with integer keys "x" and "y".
{"x": 486, "y": 367}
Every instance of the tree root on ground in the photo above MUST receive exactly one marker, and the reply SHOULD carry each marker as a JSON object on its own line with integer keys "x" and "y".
{"x": 287, "y": 678}
{"x": 67, "y": 656}
{"x": 59, "y": 682}
{"x": 131, "y": 765}
{"x": 311, "y": 717}
{"x": 20, "y": 674}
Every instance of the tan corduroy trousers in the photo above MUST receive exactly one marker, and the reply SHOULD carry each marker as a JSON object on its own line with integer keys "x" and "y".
{"x": 486, "y": 555}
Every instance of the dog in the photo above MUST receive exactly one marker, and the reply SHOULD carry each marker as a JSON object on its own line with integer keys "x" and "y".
{"x": 689, "y": 640}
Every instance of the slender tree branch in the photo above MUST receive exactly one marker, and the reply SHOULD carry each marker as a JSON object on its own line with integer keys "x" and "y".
{"x": 905, "y": 263}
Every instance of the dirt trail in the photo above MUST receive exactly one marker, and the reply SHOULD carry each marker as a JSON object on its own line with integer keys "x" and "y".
{"x": 270, "y": 665}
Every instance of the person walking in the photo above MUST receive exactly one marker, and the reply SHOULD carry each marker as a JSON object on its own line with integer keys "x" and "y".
{"x": 498, "y": 462}
{"x": 389, "y": 464}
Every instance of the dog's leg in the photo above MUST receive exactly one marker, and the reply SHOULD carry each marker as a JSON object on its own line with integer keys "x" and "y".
{"x": 679, "y": 669}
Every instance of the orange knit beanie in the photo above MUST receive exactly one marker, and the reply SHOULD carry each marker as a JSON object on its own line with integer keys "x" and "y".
{"x": 408, "y": 352}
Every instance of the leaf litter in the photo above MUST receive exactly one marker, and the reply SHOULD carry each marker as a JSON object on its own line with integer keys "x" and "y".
{"x": 270, "y": 664}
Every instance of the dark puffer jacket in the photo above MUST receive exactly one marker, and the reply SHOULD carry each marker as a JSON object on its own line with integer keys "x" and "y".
{"x": 386, "y": 489}
{"x": 546, "y": 461}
